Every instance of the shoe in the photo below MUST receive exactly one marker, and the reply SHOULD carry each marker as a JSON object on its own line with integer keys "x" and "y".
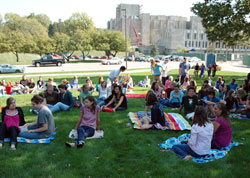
{"x": 70, "y": 144}
{"x": 12, "y": 147}
{"x": 80, "y": 145}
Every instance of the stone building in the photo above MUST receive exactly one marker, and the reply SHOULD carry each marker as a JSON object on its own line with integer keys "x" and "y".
{"x": 169, "y": 33}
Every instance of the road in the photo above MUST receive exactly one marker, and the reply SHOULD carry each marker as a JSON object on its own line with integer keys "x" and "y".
{"x": 233, "y": 66}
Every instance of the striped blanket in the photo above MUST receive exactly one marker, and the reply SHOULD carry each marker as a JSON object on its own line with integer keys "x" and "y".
{"x": 214, "y": 153}
{"x": 25, "y": 140}
{"x": 173, "y": 121}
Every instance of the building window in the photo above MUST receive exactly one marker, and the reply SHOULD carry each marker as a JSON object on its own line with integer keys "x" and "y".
{"x": 199, "y": 44}
{"x": 192, "y": 44}
{"x": 185, "y": 43}
{"x": 202, "y": 36}
{"x": 203, "y": 44}
{"x": 195, "y": 36}
{"x": 206, "y": 44}
{"x": 189, "y": 43}
{"x": 188, "y": 36}
{"x": 196, "y": 44}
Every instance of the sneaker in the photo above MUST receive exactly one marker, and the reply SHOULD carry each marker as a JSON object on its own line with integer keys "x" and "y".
{"x": 70, "y": 144}
{"x": 80, "y": 144}
{"x": 12, "y": 147}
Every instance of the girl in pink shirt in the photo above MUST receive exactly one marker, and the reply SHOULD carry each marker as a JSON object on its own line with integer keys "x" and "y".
{"x": 12, "y": 118}
{"x": 87, "y": 123}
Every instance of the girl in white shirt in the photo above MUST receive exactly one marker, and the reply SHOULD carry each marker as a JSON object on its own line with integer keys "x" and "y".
{"x": 103, "y": 91}
{"x": 199, "y": 143}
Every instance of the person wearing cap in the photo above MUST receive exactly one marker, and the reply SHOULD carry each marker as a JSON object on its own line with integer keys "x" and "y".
{"x": 164, "y": 71}
{"x": 184, "y": 68}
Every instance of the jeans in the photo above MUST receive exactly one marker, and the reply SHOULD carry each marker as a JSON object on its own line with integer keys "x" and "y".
{"x": 33, "y": 135}
{"x": 182, "y": 79}
{"x": 84, "y": 132}
{"x": 163, "y": 79}
{"x": 121, "y": 109}
{"x": 102, "y": 103}
{"x": 11, "y": 132}
{"x": 58, "y": 107}
{"x": 173, "y": 105}
{"x": 182, "y": 150}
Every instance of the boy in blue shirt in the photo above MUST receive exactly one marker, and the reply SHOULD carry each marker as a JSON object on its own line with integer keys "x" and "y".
{"x": 233, "y": 85}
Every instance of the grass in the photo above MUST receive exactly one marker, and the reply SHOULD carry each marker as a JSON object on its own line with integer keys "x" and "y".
{"x": 123, "y": 152}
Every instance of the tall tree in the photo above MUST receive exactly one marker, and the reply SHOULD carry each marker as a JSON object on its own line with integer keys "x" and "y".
{"x": 154, "y": 51}
{"x": 42, "y": 19}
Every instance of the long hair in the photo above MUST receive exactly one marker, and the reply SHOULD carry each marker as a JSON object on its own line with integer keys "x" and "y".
{"x": 153, "y": 62}
{"x": 200, "y": 116}
{"x": 153, "y": 85}
{"x": 151, "y": 99}
{"x": 9, "y": 101}
{"x": 94, "y": 104}
{"x": 229, "y": 96}
{"x": 224, "y": 113}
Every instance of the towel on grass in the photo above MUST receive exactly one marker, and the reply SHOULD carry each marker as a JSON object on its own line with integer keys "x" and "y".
{"x": 173, "y": 121}
{"x": 214, "y": 153}
{"x": 26, "y": 140}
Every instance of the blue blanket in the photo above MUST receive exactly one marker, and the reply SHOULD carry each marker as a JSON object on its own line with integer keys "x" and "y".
{"x": 25, "y": 140}
{"x": 214, "y": 153}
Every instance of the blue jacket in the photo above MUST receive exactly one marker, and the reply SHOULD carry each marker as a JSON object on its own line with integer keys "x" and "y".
{"x": 67, "y": 99}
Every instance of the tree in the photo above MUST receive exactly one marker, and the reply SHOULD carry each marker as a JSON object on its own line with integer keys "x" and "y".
{"x": 181, "y": 49}
{"x": 224, "y": 20}
{"x": 41, "y": 18}
{"x": 60, "y": 42}
{"x": 154, "y": 51}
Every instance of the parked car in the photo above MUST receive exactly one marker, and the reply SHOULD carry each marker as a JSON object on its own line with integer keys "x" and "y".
{"x": 96, "y": 57}
{"x": 45, "y": 60}
{"x": 75, "y": 56}
{"x": 114, "y": 60}
{"x": 140, "y": 59}
{"x": 148, "y": 58}
{"x": 85, "y": 57}
{"x": 128, "y": 59}
{"x": 104, "y": 57}
{"x": 194, "y": 59}
{"x": 7, "y": 68}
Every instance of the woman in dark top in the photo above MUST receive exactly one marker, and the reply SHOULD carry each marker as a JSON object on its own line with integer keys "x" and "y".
{"x": 40, "y": 83}
{"x": 119, "y": 100}
{"x": 12, "y": 118}
{"x": 231, "y": 102}
{"x": 157, "y": 120}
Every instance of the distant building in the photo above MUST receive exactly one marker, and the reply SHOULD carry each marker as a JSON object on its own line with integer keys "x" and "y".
{"x": 167, "y": 32}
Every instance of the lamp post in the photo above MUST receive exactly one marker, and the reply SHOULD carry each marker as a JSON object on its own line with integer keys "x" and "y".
{"x": 126, "y": 50}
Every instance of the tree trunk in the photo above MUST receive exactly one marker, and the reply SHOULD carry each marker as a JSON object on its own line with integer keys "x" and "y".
{"x": 83, "y": 56}
{"x": 115, "y": 54}
{"x": 107, "y": 53}
{"x": 17, "y": 57}
{"x": 69, "y": 56}
{"x": 87, "y": 53}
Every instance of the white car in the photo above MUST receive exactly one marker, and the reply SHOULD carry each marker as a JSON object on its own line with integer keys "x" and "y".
{"x": 195, "y": 59}
{"x": 114, "y": 60}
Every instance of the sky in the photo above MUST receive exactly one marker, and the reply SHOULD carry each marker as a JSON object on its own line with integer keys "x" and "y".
{"x": 99, "y": 10}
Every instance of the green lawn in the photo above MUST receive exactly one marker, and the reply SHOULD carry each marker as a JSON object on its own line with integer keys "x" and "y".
{"x": 123, "y": 152}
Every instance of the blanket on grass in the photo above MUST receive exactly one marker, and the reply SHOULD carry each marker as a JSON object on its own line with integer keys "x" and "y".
{"x": 25, "y": 140}
{"x": 238, "y": 116}
{"x": 214, "y": 153}
{"x": 135, "y": 95}
{"x": 173, "y": 121}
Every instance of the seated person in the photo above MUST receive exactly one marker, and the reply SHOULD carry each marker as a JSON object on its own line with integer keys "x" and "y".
{"x": 74, "y": 83}
{"x": 2, "y": 89}
{"x": 51, "y": 81}
{"x": 31, "y": 85}
{"x": 232, "y": 104}
{"x": 49, "y": 95}
{"x": 189, "y": 102}
{"x": 167, "y": 83}
{"x": 66, "y": 83}
{"x": 242, "y": 98}
{"x": 111, "y": 93}
{"x": 87, "y": 123}
{"x": 98, "y": 84}
{"x": 210, "y": 81}
{"x": 157, "y": 120}
{"x": 44, "y": 126}
{"x": 222, "y": 127}
{"x": 248, "y": 107}
{"x": 12, "y": 118}
{"x": 8, "y": 88}
{"x": 233, "y": 85}
{"x": 185, "y": 84}
{"x": 218, "y": 83}
{"x": 246, "y": 86}
{"x": 40, "y": 83}
{"x": 209, "y": 102}
{"x": 84, "y": 93}
{"x": 119, "y": 100}
{"x": 169, "y": 90}
{"x": 175, "y": 99}
{"x": 145, "y": 82}
{"x": 220, "y": 91}
{"x": 225, "y": 91}
{"x": 193, "y": 84}
{"x": 24, "y": 81}
{"x": 199, "y": 144}
{"x": 103, "y": 91}
{"x": 65, "y": 100}
{"x": 90, "y": 85}
{"x": 203, "y": 92}
{"x": 130, "y": 81}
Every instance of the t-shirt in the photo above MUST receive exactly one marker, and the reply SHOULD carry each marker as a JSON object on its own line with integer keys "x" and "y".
{"x": 31, "y": 85}
{"x": 83, "y": 95}
{"x": 24, "y": 82}
{"x": 233, "y": 86}
{"x": 201, "y": 137}
{"x": 157, "y": 115}
{"x": 9, "y": 89}
{"x": 45, "y": 117}
{"x": 174, "y": 99}
{"x": 124, "y": 101}
{"x": 156, "y": 69}
{"x": 103, "y": 93}
{"x": 164, "y": 67}
{"x": 214, "y": 99}
{"x": 223, "y": 135}
{"x": 114, "y": 73}
{"x": 40, "y": 84}
{"x": 189, "y": 103}
{"x": 89, "y": 118}
{"x": 51, "y": 99}
{"x": 185, "y": 67}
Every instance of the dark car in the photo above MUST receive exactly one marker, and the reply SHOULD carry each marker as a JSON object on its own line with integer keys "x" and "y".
{"x": 140, "y": 59}
{"x": 128, "y": 59}
{"x": 48, "y": 60}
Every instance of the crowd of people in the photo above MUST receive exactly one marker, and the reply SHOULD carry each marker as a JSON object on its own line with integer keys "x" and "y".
{"x": 208, "y": 108}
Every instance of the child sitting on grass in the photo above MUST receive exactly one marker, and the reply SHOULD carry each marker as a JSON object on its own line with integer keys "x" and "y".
{"x": 199, "y": 143}
{"x": 87, "y": 123}
{"x": 84, "y": 93}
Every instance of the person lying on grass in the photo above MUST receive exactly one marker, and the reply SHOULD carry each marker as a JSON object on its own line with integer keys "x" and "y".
{"x": 157, "y": 120}
{"x": 12, "y": 118}
{"x": 199, "y": 144}
{"x": 44, "y": 127}
{"x": 87, "y": 123}
{"x": 222, "y": 127}
{"x": 119, "y": 100}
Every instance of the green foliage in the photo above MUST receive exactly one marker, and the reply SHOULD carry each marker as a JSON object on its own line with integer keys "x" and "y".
{"x": 181, "y": 49}
{"x": 154, "y": 51}
{"x": 225, "y": 21}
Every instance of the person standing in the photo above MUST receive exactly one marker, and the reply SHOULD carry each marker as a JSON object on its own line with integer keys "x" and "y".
{"x": 184, "y": 68}
{"x": 209, "y": 70}
{"x": 164, "y": 71}
{"x": 114, "y": 74}
{"x": 202, "y": 70}
{"x": 214, "y": 69}
{"x": 155, "y": 68}
{"x": 196, "y": 69}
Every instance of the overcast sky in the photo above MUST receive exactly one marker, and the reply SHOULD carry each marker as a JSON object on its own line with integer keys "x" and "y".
{"x": 99, "y": 10}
